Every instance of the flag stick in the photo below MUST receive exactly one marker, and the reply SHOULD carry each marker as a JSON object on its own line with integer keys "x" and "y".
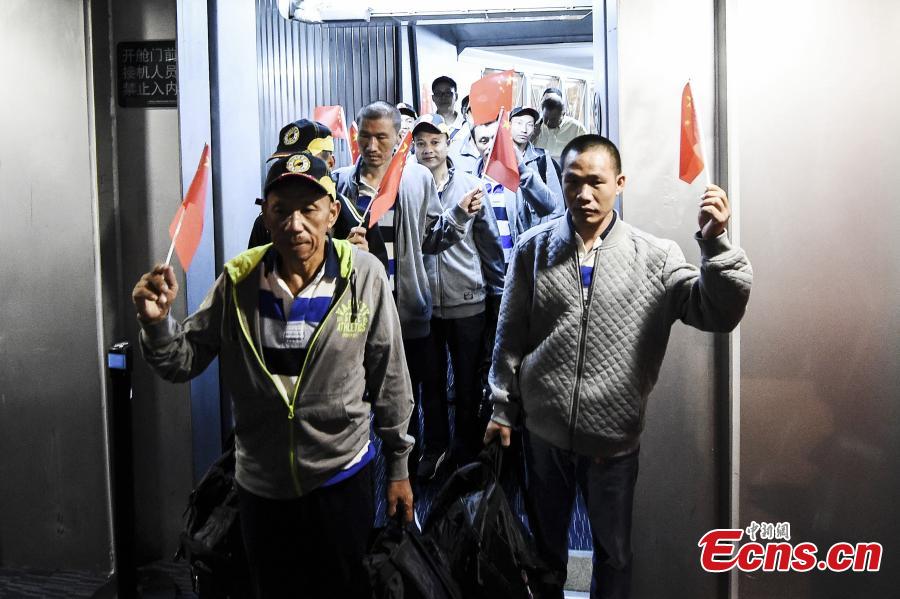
{"x": 175, "y": 235}
{"x": 369, "y": 207}
{"x": 700, "y": 141}
{"x": 363, "y": 217}
{"x": 493, "y": 141}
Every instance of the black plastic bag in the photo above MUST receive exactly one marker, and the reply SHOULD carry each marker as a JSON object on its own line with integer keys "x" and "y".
{"x": 491, "y": 554}
{"x": 403, "y": 564}
{"x": 211, "y": 539}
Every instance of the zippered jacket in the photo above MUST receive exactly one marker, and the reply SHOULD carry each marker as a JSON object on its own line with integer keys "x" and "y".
{"x": 421, "y": 226}
{"x": 289, "y": 444}
{"x": 461, "y": 275}
{"x": 533, "y": 158}
{"x": 577, "y": 372}
{"x": 532, "y": 204}
{"x": 464, "y": 154}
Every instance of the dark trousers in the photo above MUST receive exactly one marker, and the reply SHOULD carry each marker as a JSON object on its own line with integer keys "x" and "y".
{"x": 607, "y": 485}
{"x": 310, "y": 547}
{"x": 463, "y": 337}
{"x": 419, "y": 363}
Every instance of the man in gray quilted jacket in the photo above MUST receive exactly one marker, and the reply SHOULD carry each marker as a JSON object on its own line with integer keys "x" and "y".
{"x": 584, "y": 321}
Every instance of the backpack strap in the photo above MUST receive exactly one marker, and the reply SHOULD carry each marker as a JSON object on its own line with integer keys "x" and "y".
{"x": 542, "y": 166}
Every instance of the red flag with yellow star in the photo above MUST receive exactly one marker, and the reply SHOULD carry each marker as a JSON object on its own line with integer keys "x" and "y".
{"x": 503, "y": 165}
{"x": 691, "y": 154}
{"x": 490, "y": 94}
{"x": 390, "y": 184}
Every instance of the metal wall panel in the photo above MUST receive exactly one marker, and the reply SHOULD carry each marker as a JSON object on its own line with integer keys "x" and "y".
{"x": 148, "y": 186}
{"x": 302, "y": 66}
{"x": 819, "y": 161}
{"x": 54, "y": 496}
{"x": 679, "y": 495}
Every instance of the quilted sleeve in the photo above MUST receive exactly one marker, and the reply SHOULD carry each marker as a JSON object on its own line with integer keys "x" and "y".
{"x": 713, "y": 297}
{"x": 513, "y": 328}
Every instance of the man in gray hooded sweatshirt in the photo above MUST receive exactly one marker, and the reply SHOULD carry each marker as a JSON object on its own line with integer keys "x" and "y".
{"x": 417, "y": 224}
{"x": 304, "y": 328}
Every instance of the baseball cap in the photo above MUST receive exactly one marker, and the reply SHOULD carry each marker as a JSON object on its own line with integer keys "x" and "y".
{"x": 302, "y": 165}
{"x": 408, "y": 110}
{"x": 302, "y": 136}
{"x": 433, "y": 123}
{"x": 524, "y": 111}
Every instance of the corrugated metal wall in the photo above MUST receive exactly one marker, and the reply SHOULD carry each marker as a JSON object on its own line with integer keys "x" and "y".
{"x": 302, "y": 66}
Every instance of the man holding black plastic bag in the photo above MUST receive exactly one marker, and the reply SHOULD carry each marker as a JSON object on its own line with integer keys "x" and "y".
{"x": 584, "y": 322}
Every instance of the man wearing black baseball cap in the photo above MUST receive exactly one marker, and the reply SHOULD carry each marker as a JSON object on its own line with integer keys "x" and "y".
{"x": 312, "y": 136}
{"x": 304, "y": 329}
{"x": 408, "y": 116}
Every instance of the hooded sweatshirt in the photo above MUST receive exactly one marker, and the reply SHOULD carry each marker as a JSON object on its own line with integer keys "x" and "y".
{"x": 290, "y": 442}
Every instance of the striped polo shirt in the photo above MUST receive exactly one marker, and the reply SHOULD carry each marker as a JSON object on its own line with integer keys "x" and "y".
{"x": 287, "y": 323}
{"x": 587, "y": 259}
{"x": 496, "y": 194}
{"x": 385, "y": 223}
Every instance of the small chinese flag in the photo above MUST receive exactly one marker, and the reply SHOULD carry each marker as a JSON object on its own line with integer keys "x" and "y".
{"x": 489, "y": 94}
{"x": 186, "y": 228}
{"x": 333, "y": 118}
{"x": 503, "y": 165}
{"x": 390, "y": 184}
{"x": 354, "y": 144}
{"x": 425, "y": 105}
{"x": 691, "y": 155}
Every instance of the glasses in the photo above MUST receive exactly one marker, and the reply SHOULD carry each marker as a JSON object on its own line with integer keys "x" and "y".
{"x": 443, "y": 94}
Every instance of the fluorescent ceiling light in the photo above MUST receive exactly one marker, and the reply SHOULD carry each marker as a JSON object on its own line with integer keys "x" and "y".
{"x": 317, "y": 11}
{"x": 463, "y": 11}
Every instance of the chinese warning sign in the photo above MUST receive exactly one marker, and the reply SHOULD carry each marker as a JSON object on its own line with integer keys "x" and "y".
{"x": 147, "y": 74}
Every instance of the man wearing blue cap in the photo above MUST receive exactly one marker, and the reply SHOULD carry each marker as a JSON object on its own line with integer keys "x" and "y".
{"x": 303, "y": 329}
{"x": 460, "y": 278}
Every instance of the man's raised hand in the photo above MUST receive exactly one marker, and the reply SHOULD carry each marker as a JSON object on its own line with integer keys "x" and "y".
{"x": 154, "y": 293}
{"x": 471, "y": 202}
{"x": 714, "y": 212}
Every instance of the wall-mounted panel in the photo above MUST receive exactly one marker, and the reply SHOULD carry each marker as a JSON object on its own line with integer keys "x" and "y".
{"x": 148, "y": 182}
{"x": 302, "y": 66}
{"x": 819, "y": 160}
{"x": 54, "y": 500}
{"x": 679, "y": 494}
